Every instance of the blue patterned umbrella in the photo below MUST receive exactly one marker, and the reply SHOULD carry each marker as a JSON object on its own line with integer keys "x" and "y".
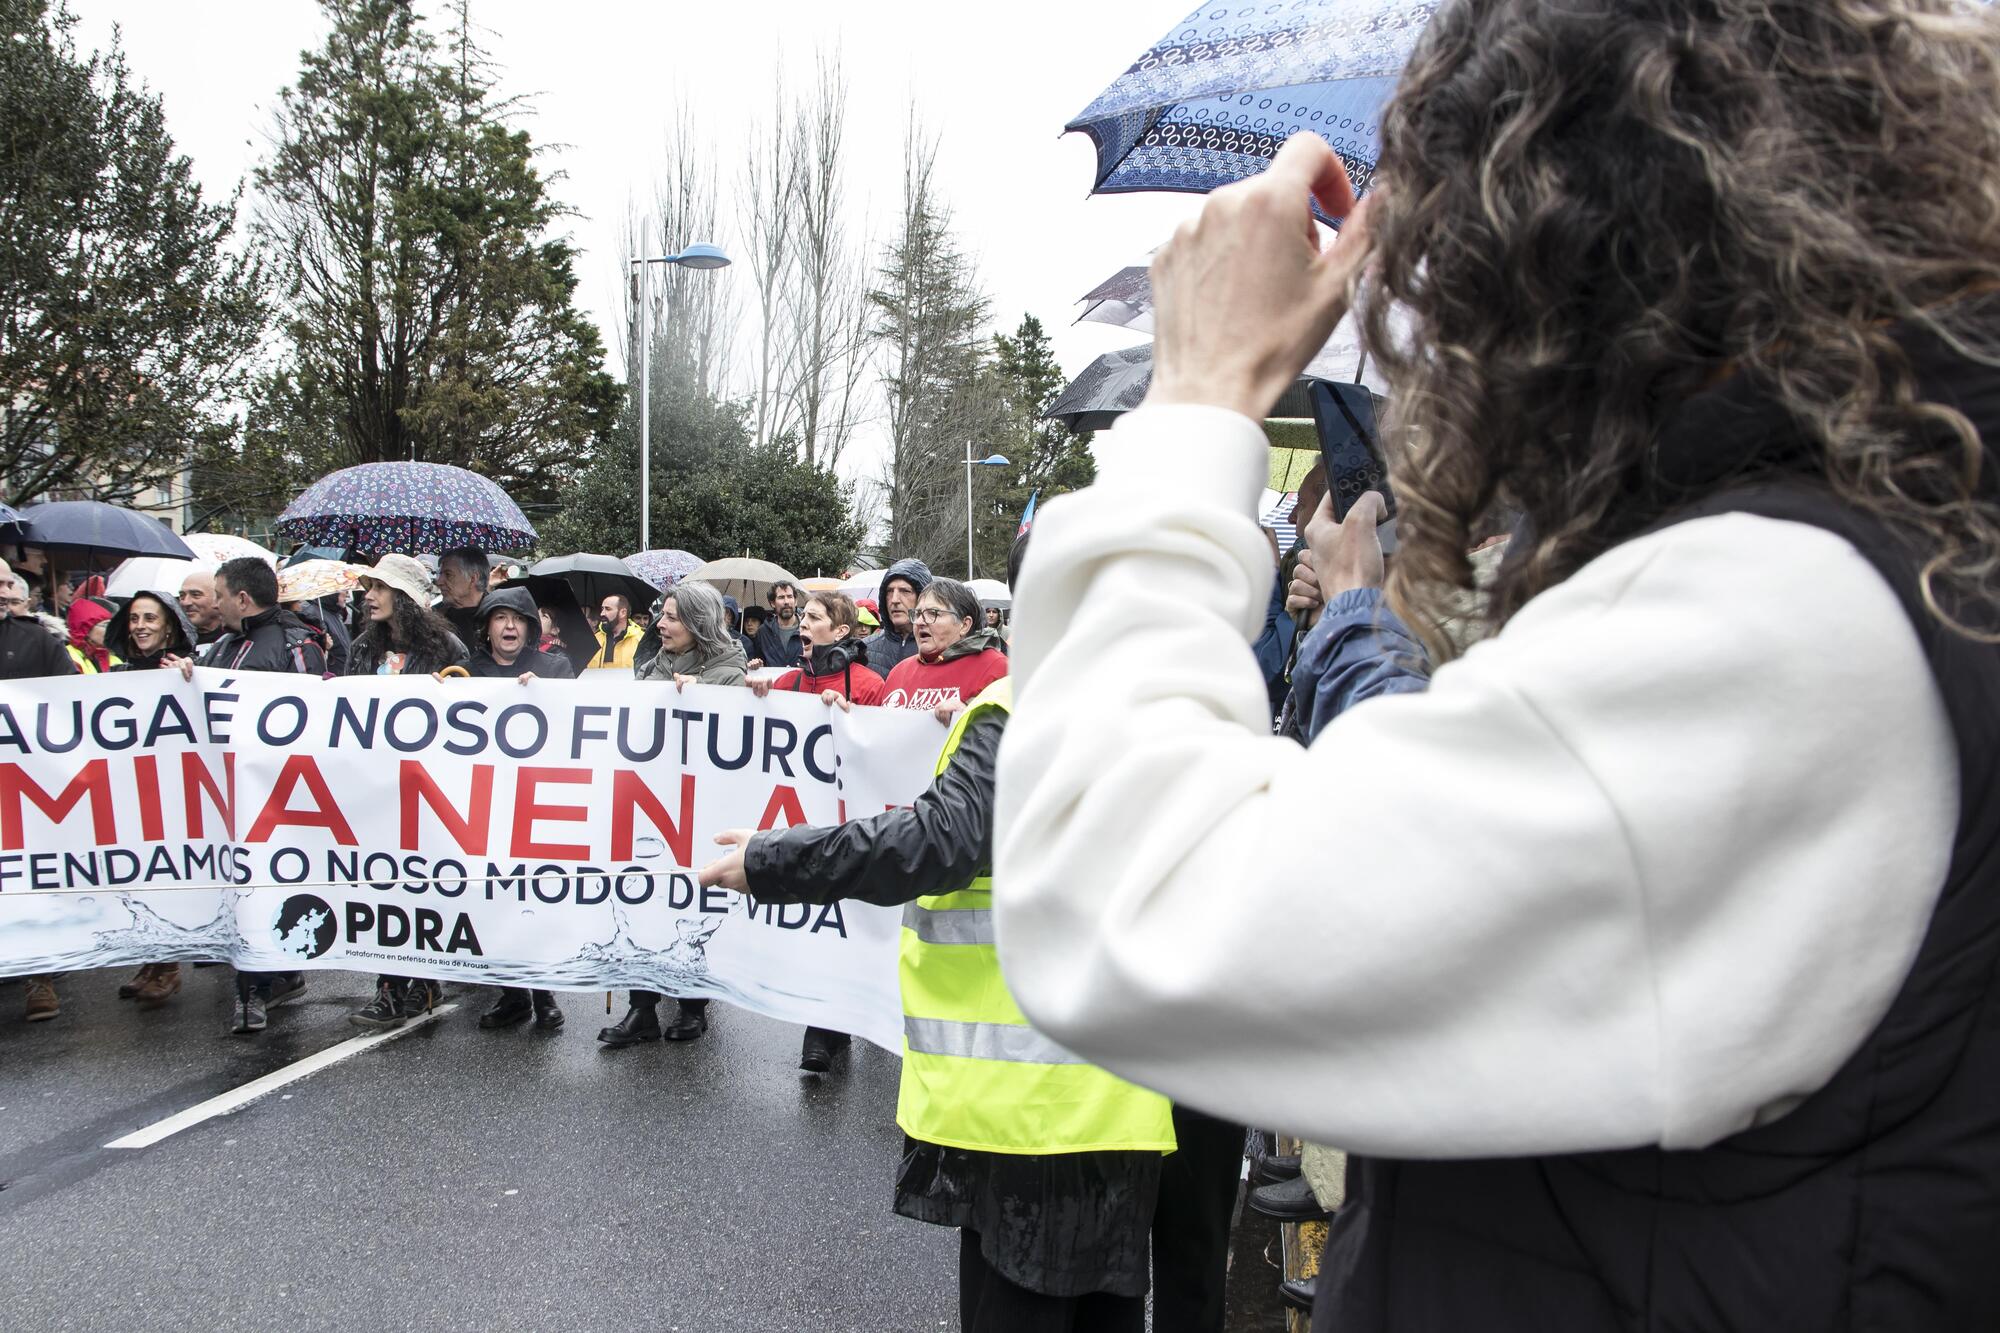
{"x": 663, "y": 569}
{"x": 406, "y": 507}
{"x": 1211, "y": 101}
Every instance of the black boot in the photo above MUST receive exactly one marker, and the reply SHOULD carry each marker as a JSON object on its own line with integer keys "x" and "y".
{"x": 641, "y": 1023}
{"x": 820, "y": 1046}
{"x": 511, "y": 1007}
{"x": 1297, "y": 1292}
{"x": 690, "y": 1022}
{"x": 548, "y": 1017}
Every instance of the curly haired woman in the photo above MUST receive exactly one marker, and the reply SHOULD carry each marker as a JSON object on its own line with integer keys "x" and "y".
{"x": 1650, "y": 964}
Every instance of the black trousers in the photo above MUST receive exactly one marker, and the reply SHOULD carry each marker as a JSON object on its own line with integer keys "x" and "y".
{"x": 650, "y": 999}
{"x": 989, "y": 1303}
{"x": 1198, "y": 1183}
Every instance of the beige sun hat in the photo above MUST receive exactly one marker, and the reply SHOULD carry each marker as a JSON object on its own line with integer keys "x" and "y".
{"x": 404, "y": 573}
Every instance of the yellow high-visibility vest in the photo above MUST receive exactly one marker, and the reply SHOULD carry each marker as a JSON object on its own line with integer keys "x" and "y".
{"x": 87, "y": 667}
{"x": 975, "y": 1074}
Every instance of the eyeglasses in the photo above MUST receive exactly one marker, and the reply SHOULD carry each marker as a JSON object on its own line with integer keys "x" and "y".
{"x": 931, "y": 615}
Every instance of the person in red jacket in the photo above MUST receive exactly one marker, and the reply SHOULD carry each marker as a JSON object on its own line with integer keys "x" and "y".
{"x": 956, "y": 658}
{"x": 834, "y": 661}
{"x": 835, "y": 667}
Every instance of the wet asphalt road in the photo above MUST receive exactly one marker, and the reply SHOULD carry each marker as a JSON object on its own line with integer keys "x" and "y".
{"x": 450, "y": 1179}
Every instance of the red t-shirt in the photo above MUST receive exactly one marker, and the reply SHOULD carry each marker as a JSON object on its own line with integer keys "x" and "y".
{"x": 915, "y": 683}
{"x": 867, "y": 686}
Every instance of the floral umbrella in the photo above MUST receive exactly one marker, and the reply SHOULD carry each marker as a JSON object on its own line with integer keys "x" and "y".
{"x": 406, "y": 507}
{"x": 663, "y": 569}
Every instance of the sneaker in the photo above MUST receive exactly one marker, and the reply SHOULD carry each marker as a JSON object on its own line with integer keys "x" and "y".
{"x": 384, "y": 1011}
{"x": 285, "y": 986}
{"x": 420, "y": 996}
{"x": 42, "y": 1002}
{"x": 162, "y": 983}
{"x": 249, "y": 1016}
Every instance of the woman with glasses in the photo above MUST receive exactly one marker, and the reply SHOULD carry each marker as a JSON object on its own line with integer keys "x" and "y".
{"x": 955, "y": 660}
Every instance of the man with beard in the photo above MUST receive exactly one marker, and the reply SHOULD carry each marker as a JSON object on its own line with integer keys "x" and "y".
{"x": 778, "y": 637}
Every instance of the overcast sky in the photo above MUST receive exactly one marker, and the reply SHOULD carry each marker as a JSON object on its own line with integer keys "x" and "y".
{"x": 996, "y": 82}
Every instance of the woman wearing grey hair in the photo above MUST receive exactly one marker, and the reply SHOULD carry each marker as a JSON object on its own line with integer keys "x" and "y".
{"x": 697, "y": 647}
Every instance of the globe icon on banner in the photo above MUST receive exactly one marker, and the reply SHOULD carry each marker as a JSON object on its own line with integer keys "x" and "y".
{"x": 304, "y": 926}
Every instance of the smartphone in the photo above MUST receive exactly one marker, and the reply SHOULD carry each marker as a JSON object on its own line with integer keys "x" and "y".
{"x": 1344, "y": 415}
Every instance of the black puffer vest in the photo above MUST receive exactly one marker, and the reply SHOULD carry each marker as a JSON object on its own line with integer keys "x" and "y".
{"x": 1873, "y": 1207}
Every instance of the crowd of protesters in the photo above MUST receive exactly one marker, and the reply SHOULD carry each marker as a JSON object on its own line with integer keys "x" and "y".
{"x": 1637, "y": 922}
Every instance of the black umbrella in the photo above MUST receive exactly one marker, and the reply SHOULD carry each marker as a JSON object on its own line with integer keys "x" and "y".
{"x": 553, "y": 594}
{"x": 92, "y": 527}
{"x": 1116, "y": 383}
{"x": 594, "y": 577}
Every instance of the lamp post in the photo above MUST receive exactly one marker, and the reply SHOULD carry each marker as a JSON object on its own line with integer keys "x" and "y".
{"x": 699, "y": 255}
{"x": 991, "y": 460}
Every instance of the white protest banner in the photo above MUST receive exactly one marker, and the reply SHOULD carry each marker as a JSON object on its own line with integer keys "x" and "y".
{"x": 541, "y": 835}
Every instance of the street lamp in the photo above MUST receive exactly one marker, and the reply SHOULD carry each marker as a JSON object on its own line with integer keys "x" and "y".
{"x": 992, "y": 460}
{"x": 699, "y": 255}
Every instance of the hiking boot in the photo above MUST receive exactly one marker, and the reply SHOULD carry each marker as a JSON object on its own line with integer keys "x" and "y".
{"x": 641, "y": 1023}
{"x": 384, "y": 1011}
{"x": 512, "y": 1007}
{"x": 285, "y": 986}
{"x": 820, "y": 1046}
{"x": 249, "y": 1016}
{"x": 42, "y": 1002}
{"x": 130, "y": 989}
{"x": 548, "y": 1017}
{"x": 162, "y": 983}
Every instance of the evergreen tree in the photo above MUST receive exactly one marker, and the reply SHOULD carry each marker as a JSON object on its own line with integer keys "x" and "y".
{"x": 125, "y": 321}
{"x": 715, "y": 491}
{"x": 1046, "y": 457}
{"x": 429, "y": 306}
{"x": 928, "y": 315}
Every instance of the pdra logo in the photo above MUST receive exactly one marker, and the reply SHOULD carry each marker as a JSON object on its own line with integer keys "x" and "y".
{"x": 305, "y": 926}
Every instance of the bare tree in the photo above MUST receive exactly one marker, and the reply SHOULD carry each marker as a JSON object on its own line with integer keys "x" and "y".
{"x": 693, "y": 312}
{"x": 826, "y": 298}
{"x": 769, "y": 181}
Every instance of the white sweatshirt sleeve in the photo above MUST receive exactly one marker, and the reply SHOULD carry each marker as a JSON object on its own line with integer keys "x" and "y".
{"x": 1643, "y": 869}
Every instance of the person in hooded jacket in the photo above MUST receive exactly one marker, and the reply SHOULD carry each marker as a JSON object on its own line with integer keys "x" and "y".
{"x": 149, "y": 632}
{"x": 835, "y": 671}
{"x": 405, "y": 637}
{"x": 510, "y": 624}
{"x": 696, "y": 648}
{"x": 86, "y": 617}
{"x": 955, "y": 658}
{"x": 901, "y": 586}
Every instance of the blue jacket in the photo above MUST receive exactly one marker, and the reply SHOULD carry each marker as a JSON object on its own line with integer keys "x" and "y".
{"x": 1359, "y": 649}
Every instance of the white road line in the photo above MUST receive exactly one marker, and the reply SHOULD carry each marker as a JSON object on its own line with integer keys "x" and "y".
{"x": 237, "y": 1098}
